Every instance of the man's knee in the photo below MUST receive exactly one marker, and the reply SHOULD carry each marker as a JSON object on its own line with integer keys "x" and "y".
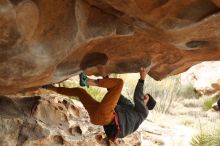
{"x": 120, "y": 82}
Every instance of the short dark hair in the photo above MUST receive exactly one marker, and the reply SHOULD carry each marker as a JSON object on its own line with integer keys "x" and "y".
{"x": 151, "y": 102}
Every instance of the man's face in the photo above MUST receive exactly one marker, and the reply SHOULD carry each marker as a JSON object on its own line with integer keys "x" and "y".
{"x": 146, "y": 99}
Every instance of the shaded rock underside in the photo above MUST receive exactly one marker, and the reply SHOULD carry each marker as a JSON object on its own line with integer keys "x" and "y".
{"x": 44, "y": 42}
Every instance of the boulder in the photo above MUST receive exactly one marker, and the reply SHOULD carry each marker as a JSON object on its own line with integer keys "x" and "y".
{"x": 45, "y": 118}
{"x": 44, "y": 42}
{"x": 204, "y": 77}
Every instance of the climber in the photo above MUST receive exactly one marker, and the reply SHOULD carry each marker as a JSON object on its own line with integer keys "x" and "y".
{"x": 118, "y": 115}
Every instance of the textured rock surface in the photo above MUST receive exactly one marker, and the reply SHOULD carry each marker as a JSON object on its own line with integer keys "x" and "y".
{"x": 46, "y": 120}
{"x": 45, "y": 41}
{"x": 53, "y": 120}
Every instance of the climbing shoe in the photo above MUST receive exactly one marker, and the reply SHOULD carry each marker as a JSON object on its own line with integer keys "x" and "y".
{"x": 83, "y": 79}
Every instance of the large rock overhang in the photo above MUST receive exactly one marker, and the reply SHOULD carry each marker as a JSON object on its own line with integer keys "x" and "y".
{"x": 44, "y": 42}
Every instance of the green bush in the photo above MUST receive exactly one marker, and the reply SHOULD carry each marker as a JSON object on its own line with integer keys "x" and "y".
{"x": 208, "y": 103}
{"x": 207, "y": 139}
{"x": 203, "y": 139}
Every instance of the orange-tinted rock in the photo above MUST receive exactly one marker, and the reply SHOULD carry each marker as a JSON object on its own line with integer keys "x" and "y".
{"x": 44, "y": 42}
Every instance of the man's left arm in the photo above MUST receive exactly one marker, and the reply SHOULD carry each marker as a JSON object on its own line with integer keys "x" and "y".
{"x": 139, "y": 95}
{"x": 139, "y": 98}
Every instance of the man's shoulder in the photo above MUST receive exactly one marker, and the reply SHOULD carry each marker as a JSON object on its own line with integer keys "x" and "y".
{"x": 125, "y": 110}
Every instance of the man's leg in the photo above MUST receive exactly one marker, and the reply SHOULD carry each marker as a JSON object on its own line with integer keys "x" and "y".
{"x": 87, "y": 100}
{"x": 100, "y": 113}
{"x": 105, "y": 110}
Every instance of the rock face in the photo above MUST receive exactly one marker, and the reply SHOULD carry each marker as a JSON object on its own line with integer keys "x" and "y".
{"x": 48, "y": 119}
{"x": 45, "y": 42}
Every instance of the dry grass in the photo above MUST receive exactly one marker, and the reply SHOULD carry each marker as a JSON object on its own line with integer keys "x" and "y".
{"x": 207, "y": 138}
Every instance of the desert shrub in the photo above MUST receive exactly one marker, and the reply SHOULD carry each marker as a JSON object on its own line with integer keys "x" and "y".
{"x": 203, "y": 139}
{"x": 207, "y": 138}
{"x": 188, "y": 91}
{"x": 195, "y": 103}
{"x": 165, "y": 92}
{"x": 208, "y": 103}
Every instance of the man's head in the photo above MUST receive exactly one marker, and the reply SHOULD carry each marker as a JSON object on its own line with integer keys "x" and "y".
{"x": 149, "y": 101}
